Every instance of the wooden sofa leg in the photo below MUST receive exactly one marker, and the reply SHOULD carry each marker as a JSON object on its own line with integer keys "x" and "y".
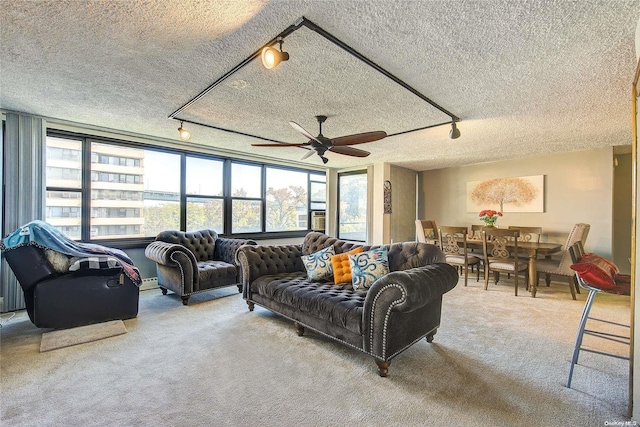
{"x": 240, "y": 288}
{"x": 251, "y": 305}
{"x": 299, "y": 328}
{"x": 383, "y": 367}
{"x": 430, "y": 336}
{"x": 185, "y": 300}
{"x": 164, "y": 291}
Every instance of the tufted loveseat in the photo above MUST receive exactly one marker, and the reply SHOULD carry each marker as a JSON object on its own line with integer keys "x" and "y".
{"x": 198, "y": 261}
{"x": 398, "y": 310}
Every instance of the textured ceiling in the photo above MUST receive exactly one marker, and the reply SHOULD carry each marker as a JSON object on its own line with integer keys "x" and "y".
{"x": 526, "y": 78}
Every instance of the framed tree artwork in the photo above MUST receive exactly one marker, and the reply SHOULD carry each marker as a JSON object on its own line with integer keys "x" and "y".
{"x": 519, "y": 194}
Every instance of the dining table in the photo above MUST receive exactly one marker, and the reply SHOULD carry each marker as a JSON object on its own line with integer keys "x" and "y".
{"x": 532, "y": 250}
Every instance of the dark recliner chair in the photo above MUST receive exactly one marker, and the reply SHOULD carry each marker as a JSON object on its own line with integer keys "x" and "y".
{"x": 198, "y": 261}
{"x": 62, "y": 299}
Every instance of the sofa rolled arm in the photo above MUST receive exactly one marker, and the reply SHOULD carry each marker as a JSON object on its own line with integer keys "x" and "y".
{"x": 262, "y": 260}
{"x": 174, "y": 256}
{"x": 416, "y": 287}
{"x": 402, "y": 292}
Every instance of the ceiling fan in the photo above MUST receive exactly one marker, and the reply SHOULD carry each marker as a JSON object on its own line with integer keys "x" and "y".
{"x": 320, "y": 144}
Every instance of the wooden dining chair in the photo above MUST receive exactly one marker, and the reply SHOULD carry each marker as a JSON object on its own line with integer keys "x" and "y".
{"x": 476, "y": 232}
{"x": 528, "y": 234}
{"x": 500, "y": 249}
{"x": 453, "y": 242}
{"x": 562, "y": 267}
{"x": 427, "y": 231}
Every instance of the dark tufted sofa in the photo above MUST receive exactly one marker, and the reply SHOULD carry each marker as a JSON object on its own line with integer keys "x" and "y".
{"x": 398, "y": 310}
{"x": 192, "y": 262}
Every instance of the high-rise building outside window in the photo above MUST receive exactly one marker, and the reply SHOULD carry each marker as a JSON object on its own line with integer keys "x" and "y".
{"x": 98, "y": 189}
{"x": 64, "y": 185}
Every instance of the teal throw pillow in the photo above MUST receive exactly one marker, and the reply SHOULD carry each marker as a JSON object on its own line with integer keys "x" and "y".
{"x": 318, "y": 264}
{"x": 367, "y": 267}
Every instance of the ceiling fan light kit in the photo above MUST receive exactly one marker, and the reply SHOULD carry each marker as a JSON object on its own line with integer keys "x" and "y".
{"x": 271, "y": 57}
{"x": 321, "y": 144}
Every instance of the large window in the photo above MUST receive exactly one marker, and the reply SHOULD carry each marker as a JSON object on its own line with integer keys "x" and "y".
{"x": 134, "y": 192}
{"x": 352, "y": 201}
{"x": 246, "y": 201}
{"x": 318, "y": 186}
{"x": 64, "y": 185}
{"x": 204, "y": 186}
{"x": 103, "y": 189}
{"x": 286, "y": 200}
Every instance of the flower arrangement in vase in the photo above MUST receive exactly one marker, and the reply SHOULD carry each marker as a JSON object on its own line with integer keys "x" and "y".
{"x": 489, "y": 217}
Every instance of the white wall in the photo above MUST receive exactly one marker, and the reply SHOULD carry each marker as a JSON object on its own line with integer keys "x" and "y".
{"x": 578, "y": 188}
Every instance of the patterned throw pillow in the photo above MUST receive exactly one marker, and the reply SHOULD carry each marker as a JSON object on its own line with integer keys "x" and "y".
{"x": 367, "y": 267}
{"x": 93, "y": 263}
{"x": 341, "y": 266}
{"x": 318, "y": 264}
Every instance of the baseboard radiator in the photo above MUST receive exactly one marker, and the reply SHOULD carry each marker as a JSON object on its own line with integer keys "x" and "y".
{"x": 149, "y": 283}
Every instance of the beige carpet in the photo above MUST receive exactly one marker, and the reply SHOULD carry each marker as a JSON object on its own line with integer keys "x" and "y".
{"x": 80, "y": 335}
{"x": 497, "y": 360}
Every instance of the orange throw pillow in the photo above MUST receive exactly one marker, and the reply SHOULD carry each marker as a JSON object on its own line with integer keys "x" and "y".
{"x": 341, "y": 266}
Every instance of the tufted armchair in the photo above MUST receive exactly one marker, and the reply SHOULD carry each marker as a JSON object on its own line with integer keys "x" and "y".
{"x": 198, "y": 261}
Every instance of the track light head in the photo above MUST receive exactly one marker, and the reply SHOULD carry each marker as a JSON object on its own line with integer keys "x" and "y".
{"x": 184, "y": 134}
{"x": 454, "y": 132}
{"x": 272, "y": 57}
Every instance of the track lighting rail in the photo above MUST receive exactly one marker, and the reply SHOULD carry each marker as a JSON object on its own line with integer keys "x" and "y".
{"x": 278, "y": 39}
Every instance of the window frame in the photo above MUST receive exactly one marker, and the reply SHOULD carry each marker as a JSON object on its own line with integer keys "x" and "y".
{"x": 85, "y": 189}
{"x": 308, "y": 187}
{"x": 366, "y": 225}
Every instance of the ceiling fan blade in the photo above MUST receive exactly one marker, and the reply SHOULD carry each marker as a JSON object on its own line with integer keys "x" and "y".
{"x": 309, "y": 154}
{"x": 303, "y": 131}
{"x": 349, "y": 151}
{"x": 280, "y": 145}
{"x": 358, "y": 138}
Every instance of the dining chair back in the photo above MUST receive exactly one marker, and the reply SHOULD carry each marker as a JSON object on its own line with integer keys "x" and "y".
{"x": 623, "y": 287}
{"x": 476, "y": 232}
{"x": 427, "y": 231}
{"x": 528, "y": 234}
{"x": 453, "y": 242}
{"x": 562, "y": 267}
{"x": 500, "y": 248}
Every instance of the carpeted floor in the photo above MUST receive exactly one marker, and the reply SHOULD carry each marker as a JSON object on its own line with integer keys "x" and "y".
{"x": 497, "y": 360}
{"x": 80, "y": 335}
